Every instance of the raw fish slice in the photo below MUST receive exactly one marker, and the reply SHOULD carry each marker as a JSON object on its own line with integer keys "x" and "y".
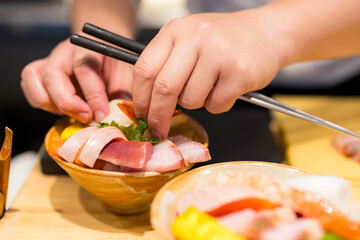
{"x": 191, "y": 151}
{"x": 165, "y": 157}
{"x": 347, "y": 145}
{"x": 254, "y": 222}
{"x": 93, "y": 146}
{"x": 296, "y": 230}
{"x": 127, "y": 153}
{"x": 356, "y": 157}
{"x": 69, "y": 149}
{"x": 117, "y": 115}
{"x": 210, "y": 198}
{"x": 127, "y": 108}
{"x": 305, "y": 203}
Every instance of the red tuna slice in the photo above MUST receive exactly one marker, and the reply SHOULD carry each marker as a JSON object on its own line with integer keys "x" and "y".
{"x": 165, "y": 157}
{"x": 70, "y": 148}
{"x": 191, "y": 151}
{"x": 127, "y": 153}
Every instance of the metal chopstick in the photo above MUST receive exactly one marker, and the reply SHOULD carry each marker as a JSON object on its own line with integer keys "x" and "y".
{"x": 270, "y": 103}
{"x": 252, "y": 97}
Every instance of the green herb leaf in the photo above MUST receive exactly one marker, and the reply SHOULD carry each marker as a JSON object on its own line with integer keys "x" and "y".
{"x": 153, "y": 140}
{"x": 134, "y": 132}
{"x": 105, "y": 124}
{"x": 330, "y": 236}
{"x": 102, "y": 124}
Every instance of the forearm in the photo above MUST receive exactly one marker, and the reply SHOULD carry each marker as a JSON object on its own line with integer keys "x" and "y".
{"x": 115, "y": 15}
{"x": 314, "y": 29}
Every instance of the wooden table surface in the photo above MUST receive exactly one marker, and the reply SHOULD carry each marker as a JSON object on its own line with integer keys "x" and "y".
{"x": 56, "y": 207}
{"x": 308, "y": 145}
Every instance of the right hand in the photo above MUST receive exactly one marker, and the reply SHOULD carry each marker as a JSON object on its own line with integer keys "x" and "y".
{"x": 75, "y": 81}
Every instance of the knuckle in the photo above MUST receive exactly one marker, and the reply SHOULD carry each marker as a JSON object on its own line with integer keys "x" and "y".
{"x": 81, "y": 69}
{"x": 165, "y": 87}
{"x": 144, "y": 71}
{"x": 174, "y": 23}
{"x": 86, "y": 65}
{"x": 211, "y": 108}
{"x": 43, "y": 103}
{"x": 23, "y": 83}
{"x": 140, "y": 105}
{"x": 155, "y": 122}
{"x": 189, "y": 103}
{"x": 29, "y": 70}
{"x": 65, "y": 105}
{"x": 94, "y": 96}
{"x": 205, "y": 27}
{"x": 49, "y": 73}
{"x": 220, "y": 102}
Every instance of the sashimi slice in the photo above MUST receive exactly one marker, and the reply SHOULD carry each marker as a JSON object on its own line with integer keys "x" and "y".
{"x": 210, "y": 198}
{"x": 165, "y": 157}
{"x": 254, "y": 222}
{"x": 127, "y": 108}
{"x": 117, "y": 115}
{"x": 191, "y": 151}
{"x": 93, "y": 146}
{"x": 69, "y": 149}
{"x": 297, "y": 230}
{"x": 127, "y": 153}
{"x": 347, "y": 145}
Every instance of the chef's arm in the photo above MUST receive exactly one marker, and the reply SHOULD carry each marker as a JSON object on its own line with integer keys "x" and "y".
{"x": 314, "y": 29}
{"x": 115, "y": 15}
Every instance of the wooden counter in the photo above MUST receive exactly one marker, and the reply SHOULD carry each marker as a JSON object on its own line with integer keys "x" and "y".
{"x": 308, "y": 145}
{"x": 56, "y": 207}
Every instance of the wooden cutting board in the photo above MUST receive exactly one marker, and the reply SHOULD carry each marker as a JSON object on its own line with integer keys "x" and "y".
{"x": 308, "y": 146}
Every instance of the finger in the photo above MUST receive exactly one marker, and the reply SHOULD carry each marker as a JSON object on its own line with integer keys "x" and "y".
{"x": 199, "y": 84}
{"x": 34, "y": 89}
{"x": 87, "y": 69}
{"x": 146, "y": 70}
{"x": 56, "y": 77}
{"x": 168, "y": 85}
{"x": 224, "y": 94}
{"x": 119, "y": 78}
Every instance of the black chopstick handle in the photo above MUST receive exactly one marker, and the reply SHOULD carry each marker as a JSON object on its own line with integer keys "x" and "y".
{"x": 103, "y": 49}
{"x": 113, "y": 38}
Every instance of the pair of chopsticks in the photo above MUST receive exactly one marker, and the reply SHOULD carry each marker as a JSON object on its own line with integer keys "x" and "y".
{"x": 136, "y": 48}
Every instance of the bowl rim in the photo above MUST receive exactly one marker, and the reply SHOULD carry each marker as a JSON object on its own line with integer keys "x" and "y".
{"x": 65, "y": 122}
{"x": 154, "y": 209}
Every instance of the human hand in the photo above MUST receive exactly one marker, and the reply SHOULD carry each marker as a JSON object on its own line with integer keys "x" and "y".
{"x": 203, "y": 60}
{"x": 75, "y": 82}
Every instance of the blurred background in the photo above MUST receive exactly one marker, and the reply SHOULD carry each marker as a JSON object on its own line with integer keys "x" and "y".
{"x": 29, "y": 29}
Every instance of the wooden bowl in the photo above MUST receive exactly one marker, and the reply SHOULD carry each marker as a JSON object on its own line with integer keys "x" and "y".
{"x": 119, "y": 192}
{"x": 163, "y": 208}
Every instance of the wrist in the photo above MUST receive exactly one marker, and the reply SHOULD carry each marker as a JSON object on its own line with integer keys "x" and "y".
{"x": 280, "y": 33}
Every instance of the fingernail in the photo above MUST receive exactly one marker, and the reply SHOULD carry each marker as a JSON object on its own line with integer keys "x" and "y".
{"x": 156, "y": 135}
{"x": 84, "y": 116}
{"x": 99, "y": 115}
